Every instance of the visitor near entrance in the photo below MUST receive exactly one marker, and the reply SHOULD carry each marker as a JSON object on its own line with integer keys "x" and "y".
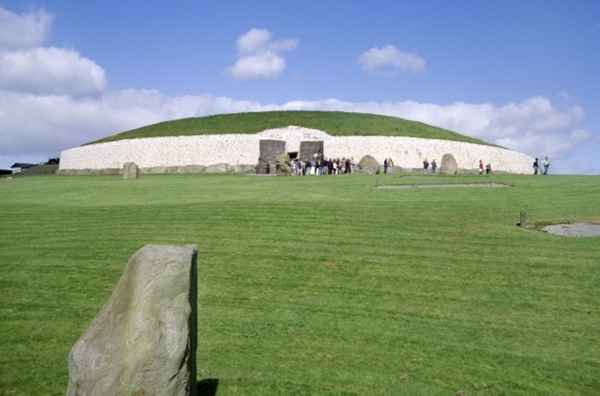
{"x": 433, "y": 166}
{"x": 488, "y": 169}
{"x": 546, "y": 165}
{"x": 425, "y": 165}
{"x": 480, "y": 167}
{"x": 536, "y": 166}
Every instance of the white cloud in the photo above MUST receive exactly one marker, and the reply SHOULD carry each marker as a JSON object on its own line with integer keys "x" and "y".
{"x": 23, "y": 31}
{"x": 49, "y": 70}
{"x": 259, "y": 56}
{"x": 265, "y": 65}
{"x": 389, "y": 58}
{"x": 253, "y": 40}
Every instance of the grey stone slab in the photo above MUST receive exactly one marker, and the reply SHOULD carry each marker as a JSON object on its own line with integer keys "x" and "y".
{"x": 448, "y": 165}
{"x": 143, "y": 341}
{"x": 130, "y": 171}
{"x": 574, "y": 230}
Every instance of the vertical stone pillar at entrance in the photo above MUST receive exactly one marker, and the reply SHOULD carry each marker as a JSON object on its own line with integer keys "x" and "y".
{"x": 269, "y": 151}
{"x": 308, "y": 149}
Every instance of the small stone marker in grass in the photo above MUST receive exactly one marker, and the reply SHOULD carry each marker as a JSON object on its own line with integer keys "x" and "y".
{"x": 523, "y": 219}
{"x": 448, "y": 166}
{"x": 130, "y": 171}
{"x": 143, "y": 342}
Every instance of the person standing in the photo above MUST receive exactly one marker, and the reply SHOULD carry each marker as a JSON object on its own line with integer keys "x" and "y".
{"x": 385, "y": 166}
{"x": 536, "y": 166}
{"x": 546, "y": 165}
{"x": 425, "y": 165}
{"x": 433, "y": 166}
{"x": 488, "y": 169}
{"x": 480, "y": 167}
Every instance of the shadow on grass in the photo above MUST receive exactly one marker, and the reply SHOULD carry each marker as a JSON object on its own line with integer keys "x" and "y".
{"x": 207, "y": 387}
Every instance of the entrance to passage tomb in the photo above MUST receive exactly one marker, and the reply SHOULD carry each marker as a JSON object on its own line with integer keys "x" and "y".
{"x": 308, "y": 149}
{"x": 269, "y": 150}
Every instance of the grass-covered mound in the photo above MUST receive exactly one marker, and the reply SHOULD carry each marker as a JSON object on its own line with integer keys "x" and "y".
{"x": 335, "y": 123}
{"x": 317, "y": 285}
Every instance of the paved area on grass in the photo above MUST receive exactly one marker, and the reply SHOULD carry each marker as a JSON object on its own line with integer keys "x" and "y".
{"x": 574, "y": 230}
{"x": 445, "y": 185}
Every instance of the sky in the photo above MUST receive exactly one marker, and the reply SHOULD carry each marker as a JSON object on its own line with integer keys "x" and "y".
{"x": 524, "y": 75}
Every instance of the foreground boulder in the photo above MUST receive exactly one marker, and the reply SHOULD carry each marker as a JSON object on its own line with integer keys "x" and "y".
{"x": 448, "y": 165}
{"x": 143, "y": 342}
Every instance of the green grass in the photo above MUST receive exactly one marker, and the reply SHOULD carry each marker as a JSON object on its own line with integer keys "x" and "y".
{"x": 317, "y": 285}
{"x": 333, "y": 122}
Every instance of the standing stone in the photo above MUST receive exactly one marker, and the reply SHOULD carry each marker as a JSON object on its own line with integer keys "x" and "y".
{"x": 310, "y": 150}
{"x": 269, "y": 150}
{"x": 143, "y": 342}
{"x": 523, "y": 219}
{"x": 130, "y": 171}
{"x": 448, "y": 166}
{"x": 368, "y": 165}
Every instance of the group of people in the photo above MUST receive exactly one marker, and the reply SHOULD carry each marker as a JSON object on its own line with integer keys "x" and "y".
{"x": 427, "y": 165}
{"x": 536, "y": 166}
{"x": 322, "y": 167}
{"x": 388, "y": 166}
{"x": 487, "y": 168}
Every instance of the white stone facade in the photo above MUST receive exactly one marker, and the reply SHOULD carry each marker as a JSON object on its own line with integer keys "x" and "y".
{"x": 243, "y": 149}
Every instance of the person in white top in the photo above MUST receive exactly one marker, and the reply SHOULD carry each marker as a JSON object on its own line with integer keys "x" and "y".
{"x": 546, "y": 164}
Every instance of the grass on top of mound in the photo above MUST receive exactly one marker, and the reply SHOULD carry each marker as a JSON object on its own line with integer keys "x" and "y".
{"x": 335, "y": 123}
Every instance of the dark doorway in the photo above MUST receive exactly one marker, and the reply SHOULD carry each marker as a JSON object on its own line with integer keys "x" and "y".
{"x": 293, "y": 155}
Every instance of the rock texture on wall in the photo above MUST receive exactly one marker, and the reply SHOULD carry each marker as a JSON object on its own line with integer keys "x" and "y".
{"x": 243, "y": 150}
{"x": 143, "y": 342}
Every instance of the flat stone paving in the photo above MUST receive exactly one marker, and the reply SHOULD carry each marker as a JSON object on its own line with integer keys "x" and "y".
{"x": 574, "y": 230}
{"x": 440, "y": 185}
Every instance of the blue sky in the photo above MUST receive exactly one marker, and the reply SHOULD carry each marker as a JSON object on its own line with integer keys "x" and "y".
{"x": 521, "y": 74}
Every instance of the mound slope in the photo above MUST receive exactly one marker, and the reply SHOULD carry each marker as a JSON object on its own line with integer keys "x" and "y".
{"x": 335, "y": 123}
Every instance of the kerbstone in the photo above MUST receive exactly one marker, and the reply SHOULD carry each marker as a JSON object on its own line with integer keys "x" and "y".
{"x": 217, "y": 168}
{"x": 143, "y": 342}
{"x": 448, "y": 166}
{"x": 130, "y": 171}
{"x": 368, "y": 165}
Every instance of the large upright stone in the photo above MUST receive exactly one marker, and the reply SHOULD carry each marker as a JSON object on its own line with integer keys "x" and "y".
{"x": 448, "y": 165}
{"x": 143, "y": 342}
{"x": 368, "y": 165}
{"x": 311, "y": 150}
{"x": 269, "y": 150}
{"x": 130, "y": 170}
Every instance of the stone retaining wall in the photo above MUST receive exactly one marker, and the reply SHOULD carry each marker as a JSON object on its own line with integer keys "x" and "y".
{"x": 233, "y": 152}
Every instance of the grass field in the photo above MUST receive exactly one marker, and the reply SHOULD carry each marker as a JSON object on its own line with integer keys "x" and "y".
{"x": 335, "y": 123}
{"x": 317, "y": 285}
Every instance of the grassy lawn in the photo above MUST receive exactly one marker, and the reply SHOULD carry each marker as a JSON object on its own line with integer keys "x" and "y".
{"x": 317, "y": 285}
{"x": 335, "y": 123}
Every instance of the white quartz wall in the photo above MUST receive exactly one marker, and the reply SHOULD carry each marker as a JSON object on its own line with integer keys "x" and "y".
{"x": 243, "y": 149}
